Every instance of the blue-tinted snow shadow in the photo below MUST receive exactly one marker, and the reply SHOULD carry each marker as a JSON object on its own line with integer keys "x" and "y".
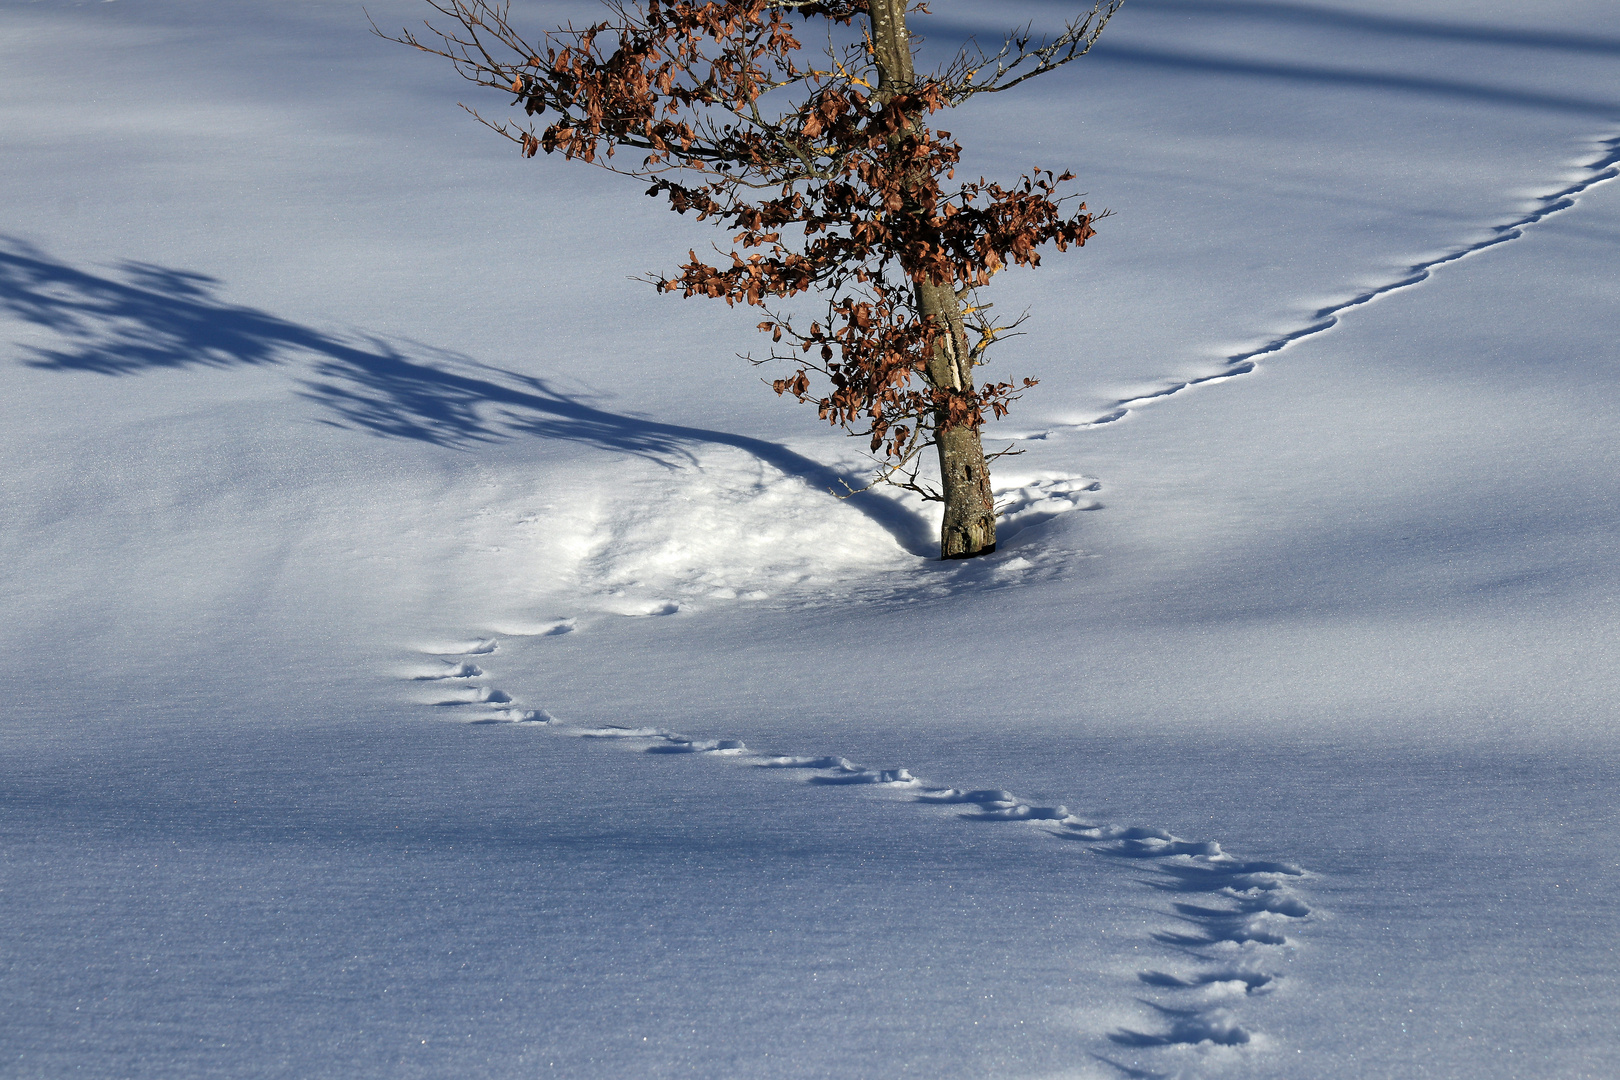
{"x": 1312, "y": 15}
{"x": 1421, "y": 85}
{"x": 1187, "y": 1027}
{"x": 1133, "y": 1072}
{"x": 989, "y": 29}
{"x": 141, "y": 317}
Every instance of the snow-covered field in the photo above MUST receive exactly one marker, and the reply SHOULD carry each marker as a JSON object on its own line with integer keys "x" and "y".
{"x": 434, "y": 654}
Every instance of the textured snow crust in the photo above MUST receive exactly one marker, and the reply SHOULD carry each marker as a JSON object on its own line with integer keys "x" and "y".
{"x": 434, "y": 654}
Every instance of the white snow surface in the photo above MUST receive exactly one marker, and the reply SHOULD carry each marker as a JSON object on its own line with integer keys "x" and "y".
{"x": 433, "y": 653}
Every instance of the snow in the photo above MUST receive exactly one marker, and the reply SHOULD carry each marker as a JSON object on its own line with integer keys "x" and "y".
{"x": 435, "y": 654}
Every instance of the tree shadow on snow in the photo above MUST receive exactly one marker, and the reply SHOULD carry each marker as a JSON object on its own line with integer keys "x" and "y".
{"x": 1111, "y": 49}
{"x": 1417, "y": 84}
{"x": 1397, "y": 26}
{"x": 143, "y": 317}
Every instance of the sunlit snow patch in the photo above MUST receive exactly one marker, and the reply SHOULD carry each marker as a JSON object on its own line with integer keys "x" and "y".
{"x": 727, "y": 528}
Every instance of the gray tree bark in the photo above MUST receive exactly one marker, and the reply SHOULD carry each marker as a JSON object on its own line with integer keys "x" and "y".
{"x": 969, "y": 528}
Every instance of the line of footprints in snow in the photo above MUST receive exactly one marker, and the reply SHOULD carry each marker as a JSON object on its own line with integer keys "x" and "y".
{"x": 1603, "y": 169}
{"x": 1233, "y": 915}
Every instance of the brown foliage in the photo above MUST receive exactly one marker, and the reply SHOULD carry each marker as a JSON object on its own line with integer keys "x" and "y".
{"x": 824, "y": 170}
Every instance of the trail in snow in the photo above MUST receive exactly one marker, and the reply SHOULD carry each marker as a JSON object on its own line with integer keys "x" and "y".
{"x": 1604, "y": 168}
{"x": 1232, "y": 918}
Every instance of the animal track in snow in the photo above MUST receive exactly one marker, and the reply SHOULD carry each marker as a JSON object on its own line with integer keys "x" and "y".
{"x": 550, "y": 628}
{"x": 996, "y": 805}
{"x": 1240, "y": 980}
{"x": 807, "y": 763}
{"x": 1026, "y": 501}
{"x": 1246, "y": 906}
{"x": 514, "y": 716}
{"x": 463, "y": 670}
{"x": 498, "y": 707}
{"x": 666, "y": 742}
{"x": 1231, "y": 921}
{"x": 1233, "y": 918}
{"x": 475, "y": 647}
{"x": 855, "y": 774}
{"x": 477, "y": 695}
{"x": 678, "y": 744}
{"x": 1189, "y": 1027}
{"x": 1604, "y": 168}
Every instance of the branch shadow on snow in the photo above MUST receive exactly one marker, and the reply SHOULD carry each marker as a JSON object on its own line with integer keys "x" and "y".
{"x": 142, "y": 317}
{"x": 1110, "y": 49}
{"x": 1418, "y": 29}
{"x": 1422, "y": 85}
{"x": 1133, "y": 1072}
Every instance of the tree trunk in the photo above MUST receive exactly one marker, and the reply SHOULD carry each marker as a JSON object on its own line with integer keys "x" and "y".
{"x": 969, "y": 528}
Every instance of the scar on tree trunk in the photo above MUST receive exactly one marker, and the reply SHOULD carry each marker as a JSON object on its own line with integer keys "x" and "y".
{"x": 969, "y": 528}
